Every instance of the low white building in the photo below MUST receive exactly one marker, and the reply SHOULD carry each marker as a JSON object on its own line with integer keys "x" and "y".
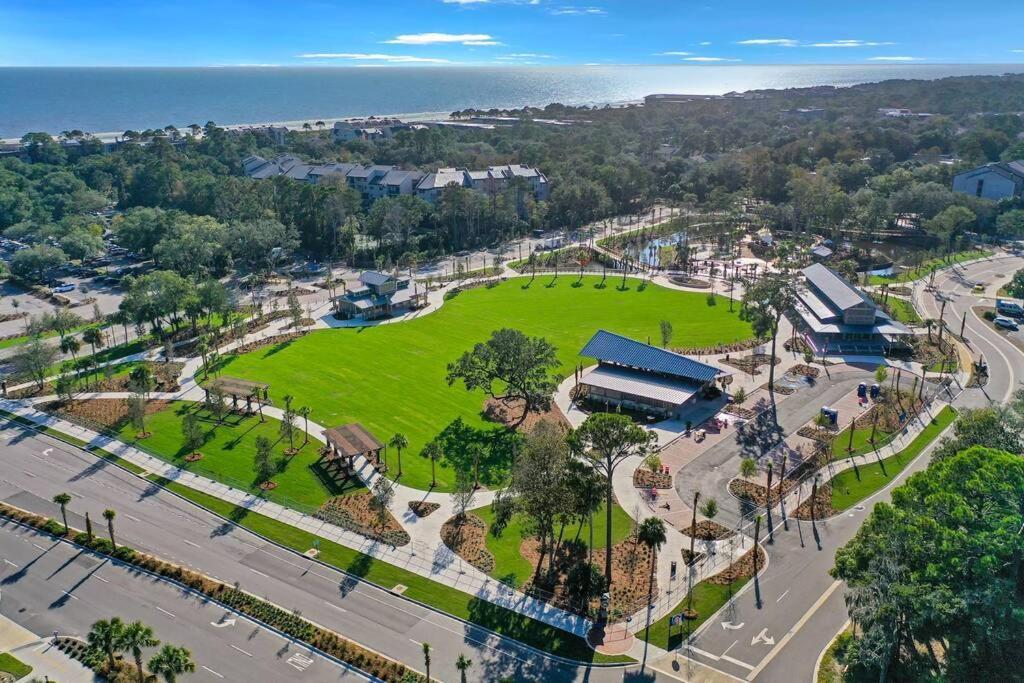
{"x": 1000, "y": 180}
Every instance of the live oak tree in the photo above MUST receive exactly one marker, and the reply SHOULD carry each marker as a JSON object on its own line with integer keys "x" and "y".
{"x": 520, "y": 364}
{"x": 606, "y": 440}
{"x": 33, "y": 359}
{"x": 936, "y": 578}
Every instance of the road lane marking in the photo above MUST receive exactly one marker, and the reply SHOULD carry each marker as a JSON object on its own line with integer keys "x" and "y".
{"x": 737, "y": 662}
{"x": 729, "y": 648}
{"x": 73, "y": 597}
{"x": 796, "y": 627}
{"x": 134, "y": 519}
{"x": 213, "y": 672}
{"x": 166, "y": 612}
{"x": 39, "y": 546}
{"x": 29, "y": 473}
{"x": 782, "y": 596}
{"x": 194, "y": 545}
{"x": 100, "y": 578}
{"x": 258, "y": 573}
{"x": 416, "y": 642}
{"x": 240, "y": 650}
{"x": 337, "y": 607}
{"x": 6, "y": 561}
{"x": 299, "y": 661}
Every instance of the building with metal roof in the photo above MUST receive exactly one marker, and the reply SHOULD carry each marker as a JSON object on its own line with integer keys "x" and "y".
{"x": 996, "y": 181}
{"x": 641, "y": 377}
{"x": 834, "y": 316}
{"x": 383, "y": 295}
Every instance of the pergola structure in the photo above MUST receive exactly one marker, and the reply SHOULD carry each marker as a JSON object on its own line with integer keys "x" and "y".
{"x": 240, "y": 388}
{"x": 344, "y": 445}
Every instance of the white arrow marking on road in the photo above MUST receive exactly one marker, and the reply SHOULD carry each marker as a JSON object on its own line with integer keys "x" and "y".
{"x": 47, "y": 451}
{"x": 762, "y": 637}
{"x": 729, "y": 626}
{"x": 222, "y": 624}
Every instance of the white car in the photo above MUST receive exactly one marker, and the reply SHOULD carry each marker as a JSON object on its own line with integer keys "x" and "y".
{"x": 1005, "y": 323}
{"x": 61, "y": 289}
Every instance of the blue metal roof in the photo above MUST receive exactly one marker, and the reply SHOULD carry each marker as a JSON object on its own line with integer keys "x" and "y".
{"x": 614, "y": 348}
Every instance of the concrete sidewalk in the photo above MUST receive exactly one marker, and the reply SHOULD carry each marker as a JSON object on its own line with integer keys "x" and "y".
{"x": 39, "y": 653}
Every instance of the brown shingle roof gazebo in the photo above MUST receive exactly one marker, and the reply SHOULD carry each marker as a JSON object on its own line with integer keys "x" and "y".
{"x": 348, "y": 442}
{"x": 240, "y": 388}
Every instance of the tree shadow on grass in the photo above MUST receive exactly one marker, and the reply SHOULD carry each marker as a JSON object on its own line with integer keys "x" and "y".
{"x": 277, "y": 348}
{"x": 497, "y": 447}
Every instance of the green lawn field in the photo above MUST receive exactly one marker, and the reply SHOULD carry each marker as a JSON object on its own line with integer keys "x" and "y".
{"x": 708, "y": 598}
{"x": 924, "y": 269}
{"x": 228, "y": 454}
{"x": 849, "y": 487}
{"x": 510, "y": 566}
{"x": 391, "y": 378}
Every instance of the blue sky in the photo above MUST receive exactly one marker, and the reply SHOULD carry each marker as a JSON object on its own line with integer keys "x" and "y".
{"x": 510, "y": 32}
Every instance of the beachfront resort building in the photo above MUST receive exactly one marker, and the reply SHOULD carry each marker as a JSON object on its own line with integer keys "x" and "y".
{"x": 1001, "y": 180}
{"x": 375, "y": 181}
{"x": 643, "y": 378}
{"x": 835, "y": 317}
{"x": 381, "y": 295}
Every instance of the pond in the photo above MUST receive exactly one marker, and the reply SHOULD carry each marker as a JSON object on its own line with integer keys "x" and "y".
{"x": 652, "y": 252}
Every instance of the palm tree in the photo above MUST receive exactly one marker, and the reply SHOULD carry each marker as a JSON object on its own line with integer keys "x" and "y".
{"x": 748, "y": 468}
{"x": 136, "y": 637}
{"x": 93, "y": 337}
{"x": 426, "y": 659}
{"x": 172, "y": 661}
{"x": 109, "y": 515}
{"x": 106, "y": 636}
{"x": 398, "y": 442}
{"x": 433, "y": 451}
{"x": 462, "y": 664}
{"x": 652, "y": 534}
{"x": 304, "y": 411}
{"x": 63, "y": 499}
{"x": 70, "y": 345}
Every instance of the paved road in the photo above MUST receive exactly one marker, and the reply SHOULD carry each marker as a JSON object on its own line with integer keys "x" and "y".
{"x": 47, "y": 586}
{"x": 34, "y": 468}
{"x": 801, "y": 607}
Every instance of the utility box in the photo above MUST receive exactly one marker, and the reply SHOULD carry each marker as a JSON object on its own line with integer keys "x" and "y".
{"x": 830, "y": 416}
{"x": 875, "y": 391}
{"x": 862, "y": 390}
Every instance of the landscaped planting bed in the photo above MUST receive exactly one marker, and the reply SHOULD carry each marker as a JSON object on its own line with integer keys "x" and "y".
{"x": 743, "y": 568}
{"x": 643, "y": 478}
{"x": 466, "y": 536}
{"x": 353, "y": 512}
{"x": 394, "y": 376}
{"x": 422, "y": 508}
{"x": 741, "y": 488}
{"x": 99, "y": 413}
{"x": 752, "y": 364}
{"x": 708, "y": 530}
{"x": 822, "y": 505}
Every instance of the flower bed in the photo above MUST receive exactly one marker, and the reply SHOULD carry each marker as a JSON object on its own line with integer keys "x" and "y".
{"x": 467, "y": 536}
{"x": 741, "y": 488}
{"x": 643, "y": 478}
{"x": 708, "y": 531}
{"x": 353, "y": 512}
{"x": 802, "y": 370}
{"x": 740, "y": 411}
{"x": 260, "y": 610}
{"x": 422, "y": 508}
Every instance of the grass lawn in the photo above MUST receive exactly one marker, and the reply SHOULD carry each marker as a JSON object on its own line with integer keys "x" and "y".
{"x": 708, "y": 598}
{"x": 923, "y": 270}
{"x": 848, "y": 488}
{"x": 861, "y": 442}
{"x": 440, "y": 596}
{"x": 391, "y": 378}
{"x": 901, "y": 309}
{"x": 512, "y": 568}
{"x": 228, "y": 454}
{"x": 15, "y": 667}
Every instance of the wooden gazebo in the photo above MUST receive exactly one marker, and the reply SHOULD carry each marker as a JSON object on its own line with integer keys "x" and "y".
{"x": 240, "y": 388}
{"x": 344, "y": 445}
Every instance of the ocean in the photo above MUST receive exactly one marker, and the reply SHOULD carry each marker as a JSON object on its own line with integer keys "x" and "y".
{"x": 106, "y": 100}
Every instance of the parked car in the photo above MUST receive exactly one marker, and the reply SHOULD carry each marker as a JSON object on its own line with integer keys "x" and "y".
{"x": 1006, "y": 323}
{"x": 61, "y": 289}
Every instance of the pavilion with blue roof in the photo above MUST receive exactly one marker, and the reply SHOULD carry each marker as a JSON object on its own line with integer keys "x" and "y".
{"x": 642, "y": 377}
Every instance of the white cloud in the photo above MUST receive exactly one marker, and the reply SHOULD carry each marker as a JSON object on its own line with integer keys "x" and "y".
{"x": 709, "y": 59}
{"x": 440, "y": 38}
{"x": 898, "y": 58}
{"x": 576, "y": 11}
{"x": 672, "y": 53}
{"x": 704, "y": 43}
{"x": 849, "y": 43}
{"x": 784, "y": 42}
{"x": 1016, "y": 50}
{"x": 465, "y": 2}
{"x": 527, "y": 55}
{"x": 367, "y": 57}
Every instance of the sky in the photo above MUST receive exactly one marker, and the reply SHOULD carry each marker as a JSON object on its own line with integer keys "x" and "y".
{"x": 505, "y": 32}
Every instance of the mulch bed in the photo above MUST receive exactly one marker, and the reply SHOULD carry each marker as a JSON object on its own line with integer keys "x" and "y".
{"x": 735, "y": 347}
{"x": 781, "y": 389}
{"x": 105, "y": 413}
{"x": 269, "y": 341}
{"x": 740, "y": 411}
{"x": 741, "y": 488}
{"x": 684, "y": 281}
{"x": 799, "y": 345}
{"x": 816, "y": 433}
{"x": 708, "y": 530}
{"x": 422, "y": 509}
{"x": 804, "y": 370}
{"x": 194, "y": 457}
{"x": 688, "y": 559}
{"x": 467, "y": 538}
{"x": 303, "y": 322}
{"x": 822, "y": 507}
{"x": 643, "y": 478}
{"x": 510, "y": 413}
{"x": 353, "y": 512}
{"x": 752, "y": 364}
{"x": 741, "y": 568}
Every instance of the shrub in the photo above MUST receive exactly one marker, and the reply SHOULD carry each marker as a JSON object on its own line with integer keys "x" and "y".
{"x": 740, "y": 396}
{"x": 989, "y": 315}
{"x": 52, "y": 526}
{"x": 653, "y": 462}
